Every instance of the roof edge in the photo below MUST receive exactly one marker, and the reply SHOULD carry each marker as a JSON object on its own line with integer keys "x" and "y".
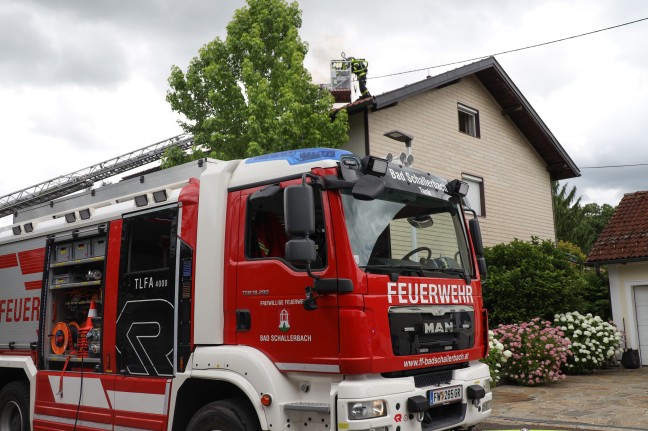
{"x": 393, "y": 96}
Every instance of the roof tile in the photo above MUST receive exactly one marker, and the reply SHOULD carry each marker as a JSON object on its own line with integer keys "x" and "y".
{"x": 625, "y": 238}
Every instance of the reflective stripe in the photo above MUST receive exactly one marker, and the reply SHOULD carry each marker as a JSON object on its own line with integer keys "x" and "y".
{"x": 139, "y": 402}
{"x": 79, "y": 423}
{"x": 318, "y": 368}
{"x": 82, "y": 423}
{"x": 93, "y": 391}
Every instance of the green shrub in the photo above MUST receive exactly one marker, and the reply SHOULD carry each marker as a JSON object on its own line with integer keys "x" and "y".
{"x": 528, "y": 279}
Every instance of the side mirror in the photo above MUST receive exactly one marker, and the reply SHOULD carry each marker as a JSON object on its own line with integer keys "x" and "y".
{"x": 301, "y": 251}
{"x": 475, "y": 233}
{"x": 299, "y": 210}
{"x": 481, "y": 265}
{"x": 478, "y": 245}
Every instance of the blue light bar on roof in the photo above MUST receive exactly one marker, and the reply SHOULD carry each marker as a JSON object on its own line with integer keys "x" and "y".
{"x": 298, "y": 157}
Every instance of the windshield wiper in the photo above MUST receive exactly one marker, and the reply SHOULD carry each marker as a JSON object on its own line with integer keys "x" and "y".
{"x": 420, "y": 270}
{"x": 460, "y": 272}
{"x": 416, "y": 268}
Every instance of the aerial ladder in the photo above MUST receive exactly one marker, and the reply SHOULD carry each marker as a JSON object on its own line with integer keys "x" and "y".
{"x": 85, "y": 178}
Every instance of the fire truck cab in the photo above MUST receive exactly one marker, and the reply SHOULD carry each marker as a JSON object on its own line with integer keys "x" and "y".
{"x": 309, "y": 289}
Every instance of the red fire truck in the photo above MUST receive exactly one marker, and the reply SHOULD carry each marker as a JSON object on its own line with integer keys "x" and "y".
{"x": 309, "y": 289}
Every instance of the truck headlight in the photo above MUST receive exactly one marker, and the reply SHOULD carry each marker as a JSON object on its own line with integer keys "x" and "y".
{"x": 367, "y": 409}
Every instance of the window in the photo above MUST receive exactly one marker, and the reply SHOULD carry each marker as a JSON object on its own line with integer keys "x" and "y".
{"x": 468, "y": 120}
{"x": 475, "y": 195}
{"x": 391, "y": 232}
{"x": 266, "y": 235}
{"x": 150, "y": 242}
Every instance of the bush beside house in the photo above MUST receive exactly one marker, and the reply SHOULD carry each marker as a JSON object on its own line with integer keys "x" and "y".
{"x": 530, "y": 284}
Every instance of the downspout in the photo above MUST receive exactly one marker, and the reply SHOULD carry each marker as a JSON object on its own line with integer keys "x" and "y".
{"x": 365, "y": 117}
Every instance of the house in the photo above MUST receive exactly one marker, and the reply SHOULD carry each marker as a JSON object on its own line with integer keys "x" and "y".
{"x": 623, "y": 247}
{"x": 473, "y": 123}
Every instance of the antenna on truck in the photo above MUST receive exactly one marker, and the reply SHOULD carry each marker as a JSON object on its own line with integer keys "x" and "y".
{"x": 86, "y": 177}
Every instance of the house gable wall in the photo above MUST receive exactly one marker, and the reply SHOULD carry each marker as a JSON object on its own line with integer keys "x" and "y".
{"x": 516, "y": 182}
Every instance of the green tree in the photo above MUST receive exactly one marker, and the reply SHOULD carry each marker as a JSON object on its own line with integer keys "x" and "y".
{"x": 580, "y": 225}
{"x": 595, "y": 295}
{"x": 250, "y": 93}
{"x": 528, "y": 279}
{"x": 598, "y": 216}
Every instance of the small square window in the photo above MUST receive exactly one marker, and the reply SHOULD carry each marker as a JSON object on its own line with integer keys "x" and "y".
{"x": 468, "y": 120}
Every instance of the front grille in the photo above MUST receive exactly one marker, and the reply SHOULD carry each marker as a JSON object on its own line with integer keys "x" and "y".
{"x": 431, "y": 329}
{"x": 433, "y": 379}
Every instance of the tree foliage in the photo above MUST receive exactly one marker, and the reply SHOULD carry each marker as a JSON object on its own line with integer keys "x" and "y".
{"x": 250, "y": 93}
{"x": 580, "y": 225}
{"x": 595, "y": 295}
{"x": 529, "y": 279}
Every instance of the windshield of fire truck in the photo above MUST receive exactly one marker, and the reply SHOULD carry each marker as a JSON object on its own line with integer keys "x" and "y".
{"x": 407, "y": 233}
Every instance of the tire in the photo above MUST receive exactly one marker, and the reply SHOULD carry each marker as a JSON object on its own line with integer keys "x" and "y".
{"x": 225, "y": 415}
{"x": 14, "y": 407}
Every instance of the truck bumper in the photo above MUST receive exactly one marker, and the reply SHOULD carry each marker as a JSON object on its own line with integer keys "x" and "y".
{"x": 462, "y": 400}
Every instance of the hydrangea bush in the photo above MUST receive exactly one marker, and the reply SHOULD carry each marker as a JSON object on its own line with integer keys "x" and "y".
{"x": 497, "y": 357}
{"x": 538, "y": 352}
{"x": 595, "y": 343}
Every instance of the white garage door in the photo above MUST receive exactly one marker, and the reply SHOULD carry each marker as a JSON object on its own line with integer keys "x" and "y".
{"x": 641, "y": 304}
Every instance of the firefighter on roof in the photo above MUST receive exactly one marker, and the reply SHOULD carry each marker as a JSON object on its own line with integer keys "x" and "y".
{"x": 359, "y": 68}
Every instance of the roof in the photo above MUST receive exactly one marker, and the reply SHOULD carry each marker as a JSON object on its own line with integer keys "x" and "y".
{"x": 625, "y": 238}
{"x": 492, "y": 76}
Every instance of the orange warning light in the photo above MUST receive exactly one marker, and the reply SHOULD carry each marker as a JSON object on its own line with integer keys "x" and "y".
{"x": 266, "y": 399}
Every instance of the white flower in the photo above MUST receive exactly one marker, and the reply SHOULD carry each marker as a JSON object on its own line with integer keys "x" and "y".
{"x": 570, "y": 326}
{"x": 587, "y": 333}
{"x": 507, "y": 353}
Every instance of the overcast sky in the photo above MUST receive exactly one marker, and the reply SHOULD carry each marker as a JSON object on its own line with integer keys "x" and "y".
{"x": 85, "y": 81}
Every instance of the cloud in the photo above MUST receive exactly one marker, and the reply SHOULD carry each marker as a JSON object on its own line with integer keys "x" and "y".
{"x": 83, "y": 81}
{"x": 36, "y": 51}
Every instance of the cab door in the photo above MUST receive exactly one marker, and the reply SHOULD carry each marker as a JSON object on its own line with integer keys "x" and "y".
{"x": 145, "y": 335}
{"x": 270, "y": 291}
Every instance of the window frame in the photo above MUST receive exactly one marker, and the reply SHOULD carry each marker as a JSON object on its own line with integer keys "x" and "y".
{"x": 467, "y": 114}
{"x": 472, "y": 179}
{"x": 321, "y": 223}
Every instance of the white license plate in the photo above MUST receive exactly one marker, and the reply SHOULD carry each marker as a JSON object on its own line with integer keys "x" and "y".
{"x": 447, "y": 395}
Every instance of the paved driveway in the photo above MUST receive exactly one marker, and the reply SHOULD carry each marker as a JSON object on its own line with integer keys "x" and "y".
{"x": 607, "y": 400}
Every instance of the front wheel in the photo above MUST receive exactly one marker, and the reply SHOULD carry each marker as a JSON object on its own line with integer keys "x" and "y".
{"x": 14, "y": 407}
{"x": 225, "y": 415}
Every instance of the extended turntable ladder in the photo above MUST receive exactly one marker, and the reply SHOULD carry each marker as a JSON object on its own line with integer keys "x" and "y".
{"x": 85, "y": 178}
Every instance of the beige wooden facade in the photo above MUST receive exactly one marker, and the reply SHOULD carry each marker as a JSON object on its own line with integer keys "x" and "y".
{"x": 516, "y": 181}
